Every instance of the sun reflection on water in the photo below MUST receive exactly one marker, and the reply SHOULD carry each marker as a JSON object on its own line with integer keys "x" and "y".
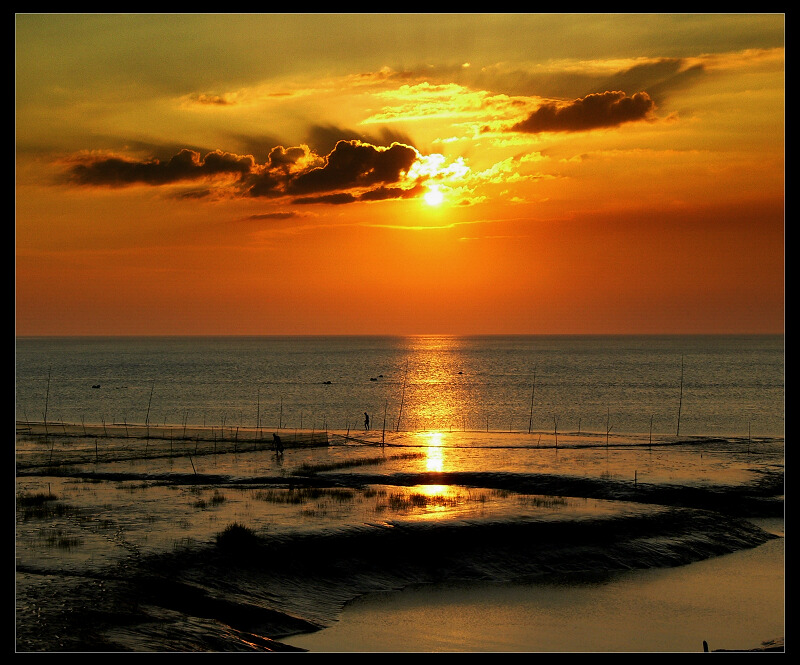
{"x": 435, "y": 393}
{"x": 435, "y": 455}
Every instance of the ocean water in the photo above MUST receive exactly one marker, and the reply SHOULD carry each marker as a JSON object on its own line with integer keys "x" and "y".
{"x": 681, "y": 385}
{"x": 457, "y": 489}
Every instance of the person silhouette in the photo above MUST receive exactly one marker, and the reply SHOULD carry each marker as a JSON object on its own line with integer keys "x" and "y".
{"x": 366, "y": 421}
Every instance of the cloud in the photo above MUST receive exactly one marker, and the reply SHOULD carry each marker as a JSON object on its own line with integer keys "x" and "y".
{"x": 323, "y": 138}
{"x": 333, "y": 199}
{"x": 226, "y": 99}
{"x": 606, "y": 109}
{"x": 186, "y": 165}
{"x": 356, "y": 164}
{"x": 272, "y": 215}
{"x": 352, "y": 171}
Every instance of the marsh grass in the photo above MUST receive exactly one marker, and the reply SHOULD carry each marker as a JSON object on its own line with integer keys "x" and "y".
{"x": 304, "y": 495}
{"x": 35, "y": 498}
{"x": 59, "y": 538}
{"x": 235, "y": 536}
{"x": 42, "y": 505}
{"x": 543, "y": 501}
{"x": 399, "y": 502}
{"x": 216, "y": 498}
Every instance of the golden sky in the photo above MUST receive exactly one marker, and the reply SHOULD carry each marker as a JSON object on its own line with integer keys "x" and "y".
{"x": 399, "y": 174}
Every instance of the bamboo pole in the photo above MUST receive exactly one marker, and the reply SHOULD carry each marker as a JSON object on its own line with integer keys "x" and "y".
{"x": 47, "y": 401}
{"x": 149, "y": 402}
{"x": 533, "y": 392}
{"x": 383, "y": 433}
{"x": 402, "y": 398}
{"x": 680, "y": 401}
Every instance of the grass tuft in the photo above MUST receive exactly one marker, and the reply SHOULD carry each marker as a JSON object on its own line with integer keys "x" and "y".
{"x": 235, "y": 536}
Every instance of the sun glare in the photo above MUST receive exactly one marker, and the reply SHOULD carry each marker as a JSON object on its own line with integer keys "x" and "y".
{"x": 434, "y": 196}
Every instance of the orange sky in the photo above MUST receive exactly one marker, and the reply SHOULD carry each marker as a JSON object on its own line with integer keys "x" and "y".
{"x": 267, "y": 174}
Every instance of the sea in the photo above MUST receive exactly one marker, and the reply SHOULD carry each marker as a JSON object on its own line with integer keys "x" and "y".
{"x": 507, "y": 493}
{"x": 710, "y": 385}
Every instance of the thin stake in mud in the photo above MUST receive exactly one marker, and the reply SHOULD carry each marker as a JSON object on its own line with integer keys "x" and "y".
{"x": 555, "y": 429}
{"x": 383, "y": 433}
{"x": 47, "y": 401}
{"x": 680, "y": 401}
{"x": 147, "y": 417}
{"x": 258, "y": 416}
{"x": 533, "y": 392}
{"x": 609, "y": 427}
{"x": 402, "y": 398}
{"x": 95, "y": 438}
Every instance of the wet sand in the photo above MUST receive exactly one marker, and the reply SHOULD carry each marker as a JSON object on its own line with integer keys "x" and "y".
{"x": 733, "y": 602}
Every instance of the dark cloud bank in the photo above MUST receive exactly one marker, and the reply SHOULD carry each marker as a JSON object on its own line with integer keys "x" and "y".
{"x": 351, "y": 171}
{"x": 595, "y": 111}
{"x": 354, "y": 170}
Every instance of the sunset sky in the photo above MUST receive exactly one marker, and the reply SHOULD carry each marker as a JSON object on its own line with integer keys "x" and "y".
{"x": 399, "y": 174}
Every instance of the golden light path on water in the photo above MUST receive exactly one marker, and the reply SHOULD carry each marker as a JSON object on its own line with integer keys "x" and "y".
{"x": 437, "y": 390}
{"x": 434, "y": 461}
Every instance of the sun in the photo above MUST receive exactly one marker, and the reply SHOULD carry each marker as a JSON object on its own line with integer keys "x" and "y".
{"x": 434, "y": 196}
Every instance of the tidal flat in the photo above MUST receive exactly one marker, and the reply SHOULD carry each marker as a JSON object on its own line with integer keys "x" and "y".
{"x": 204, "y": 540}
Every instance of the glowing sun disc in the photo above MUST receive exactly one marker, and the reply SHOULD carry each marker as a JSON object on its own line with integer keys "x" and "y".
{"x": 434, "y": 196}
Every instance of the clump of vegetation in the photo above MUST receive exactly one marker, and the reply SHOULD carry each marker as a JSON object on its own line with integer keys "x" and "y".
{"x": 59, "y": 538}
{"x": 236, "y": 536}
{"x": 216, "y": 498}
{"x": 304, "y": 494}
{"x": 36, "y": 499}
{"x": 417, "y": 500}
{"x": 42, "y": 505}
{"x": 543, "y": 501}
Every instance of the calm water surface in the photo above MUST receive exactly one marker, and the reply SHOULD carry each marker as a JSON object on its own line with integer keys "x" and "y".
{"x": 691, "y": 385}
